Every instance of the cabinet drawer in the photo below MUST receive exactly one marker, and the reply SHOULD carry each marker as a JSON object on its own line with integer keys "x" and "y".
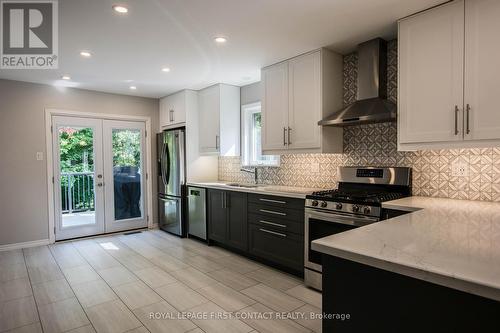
{"x": 276, "y": 224}
{"x": 272, "y": 200}
{"x": 283, "y": 248}
{"x": 296, "y": 215}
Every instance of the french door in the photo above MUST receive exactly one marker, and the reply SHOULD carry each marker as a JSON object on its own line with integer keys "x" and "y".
{"x": 99, "y": 176}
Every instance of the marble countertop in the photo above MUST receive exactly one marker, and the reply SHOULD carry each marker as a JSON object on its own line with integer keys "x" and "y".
{"x": 283, "y": 191}
{"x": 454, "y": 243}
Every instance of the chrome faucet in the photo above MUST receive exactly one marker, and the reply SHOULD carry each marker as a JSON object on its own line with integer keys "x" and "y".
{"x": 254, "y": 171}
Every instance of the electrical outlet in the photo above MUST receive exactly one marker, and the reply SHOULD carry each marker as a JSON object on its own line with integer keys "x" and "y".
{"x": 459, "y": 169}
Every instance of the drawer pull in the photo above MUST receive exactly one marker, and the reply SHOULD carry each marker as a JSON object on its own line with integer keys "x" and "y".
{"x": 272, "y": 223}
{"x": 273, "y": 201}
{"x": 271, "y": 212}
{"x": 273, "y": 232}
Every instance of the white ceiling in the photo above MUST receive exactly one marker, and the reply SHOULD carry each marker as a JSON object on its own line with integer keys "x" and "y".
{"x": 179, "y": 34}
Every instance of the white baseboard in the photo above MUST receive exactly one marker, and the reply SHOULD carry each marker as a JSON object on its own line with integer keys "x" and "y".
{"x": 16, "y": 246}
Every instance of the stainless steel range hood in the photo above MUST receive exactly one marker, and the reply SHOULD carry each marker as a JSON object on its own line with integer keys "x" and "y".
{"x": 371, "y": 105}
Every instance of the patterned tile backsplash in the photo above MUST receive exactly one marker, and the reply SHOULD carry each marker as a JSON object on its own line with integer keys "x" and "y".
{"x": 376, "y": 145}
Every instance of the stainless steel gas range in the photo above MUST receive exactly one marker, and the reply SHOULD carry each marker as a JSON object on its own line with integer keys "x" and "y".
{"x": 355, "y": 203}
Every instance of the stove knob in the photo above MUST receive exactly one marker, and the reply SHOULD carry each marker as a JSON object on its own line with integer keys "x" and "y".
{"x": 355, "y": 208}
{"x": 367, "y": 210}
{"x": 323, "y": 204}
{"x": 314, "y": 203}
{"x": 338, "y": 205}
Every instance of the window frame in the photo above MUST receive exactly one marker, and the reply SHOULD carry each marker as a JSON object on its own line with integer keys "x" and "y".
{"x": 247, "y": 155}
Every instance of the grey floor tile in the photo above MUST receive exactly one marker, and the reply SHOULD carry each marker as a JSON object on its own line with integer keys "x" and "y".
{"x": 115, "y": 248}
{"x": 141, "y": 329}
{"x": 44, "y": 273}
{"x": 112, "y": 317}
{"x": 137, "y": 294}
{"x": 14, "y": 289}
{"x": 180, "y": 252}
{"x": 168, "y": 263}
{"x": 193, "y": 278}
{"x": 202, "y": 263}
{"x": 233, "y": 279}
{"x": 305, "y": 294}
{"x": 17, "y": 313}
{"x": 93, "y": 292}
{"x": 238, "y": 264}
{"x": 116, "y": 276}
{"x": 313, "y": 323}
{"x": 52, "y": 291}
{"x": 62, "y": 316}
{"x": 11, "y": 257}
{"x": 163, "y": 324}
{"x": 181, "y": 296}
{"x": 83, "y": 329}
{"x": 136, "y": 262}
{"x": 81, "y": 274}
{"x": 274, "y": 278}
{"x": 225, "y": 297}
{"x": 215, "y": 323}
{"x": 272, "y": 298}
{"x": 274, "y": 325}
{"x": 31, "y": 328}
{"x": 13, "y": 272}
{"x": 155, "y": 277}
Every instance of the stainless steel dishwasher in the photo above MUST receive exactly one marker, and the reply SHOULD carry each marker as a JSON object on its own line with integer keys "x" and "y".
{"x": 197, "y": 214}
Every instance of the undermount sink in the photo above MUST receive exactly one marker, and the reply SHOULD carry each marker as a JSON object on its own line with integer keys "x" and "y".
{"x": 242, "y": 185}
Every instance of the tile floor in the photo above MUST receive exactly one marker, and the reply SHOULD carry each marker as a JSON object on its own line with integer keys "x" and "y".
{"x": 148, "y": 282}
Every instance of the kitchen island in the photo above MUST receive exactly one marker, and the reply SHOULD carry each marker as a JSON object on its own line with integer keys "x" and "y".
{"x": 436, "y": 268}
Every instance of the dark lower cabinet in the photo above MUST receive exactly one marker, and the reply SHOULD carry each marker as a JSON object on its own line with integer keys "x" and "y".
{"x": 283, "y": 248}
{"x": 227, "y": 218}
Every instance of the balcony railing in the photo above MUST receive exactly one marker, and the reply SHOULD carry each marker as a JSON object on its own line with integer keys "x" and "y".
{"x": 77, "y": 191}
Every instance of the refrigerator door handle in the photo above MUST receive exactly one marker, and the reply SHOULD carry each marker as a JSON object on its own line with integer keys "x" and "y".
{"x": 162, "y": 161}
{"x": 182, "y": 159}
{"x": 167, "y": 153}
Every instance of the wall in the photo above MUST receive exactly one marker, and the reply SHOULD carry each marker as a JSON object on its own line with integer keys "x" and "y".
{"x": 376, "y": 145}
{"x": 23, "y": 183}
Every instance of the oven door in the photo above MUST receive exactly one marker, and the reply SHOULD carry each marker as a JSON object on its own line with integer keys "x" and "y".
{"x": 319, "y": 224}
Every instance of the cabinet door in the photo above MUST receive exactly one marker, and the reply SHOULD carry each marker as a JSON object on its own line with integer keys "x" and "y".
{"x": 237, "y": 233}
{"x": 304, "y": 101}
{"x": 275, "y": 107}
{"x": 217, "y": 216}
{"x": 178, "y": 108}
{"x": 482, "y": 73}
{"x": 209, "y": 106}
{"x": 164, "y": 112}
{"x": 431, "y": 48}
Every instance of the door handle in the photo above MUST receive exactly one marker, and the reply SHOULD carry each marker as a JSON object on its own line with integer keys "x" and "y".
{"x": 171, "y": 115}
{"x": 273, "y": 224}
{"x": 273, "y": 232}
{"x": 289, "y": 134}
{"x": 273, "y": 201}
{"x": 456, "y": 119}
{"x": 272, "y": 212}
{"x": 468, "y": 120}
{"x": 284, "y": 136}
{"x": 100, "y": 184}
{"x": 217, "y": 145}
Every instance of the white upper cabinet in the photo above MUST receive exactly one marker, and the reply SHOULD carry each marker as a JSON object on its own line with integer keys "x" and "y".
{"x": 296, "y": 95}
{"x": 448, "y": 80}
{"x": 275, "y": 98}
{"x": 219, "y": 109}
{"x": 431, "y": 52}
{"x": 482, "y": 70}
{"x": 173, "y": 109}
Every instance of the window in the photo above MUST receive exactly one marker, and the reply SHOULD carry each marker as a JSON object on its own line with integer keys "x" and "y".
{"x": 251, "y": 139}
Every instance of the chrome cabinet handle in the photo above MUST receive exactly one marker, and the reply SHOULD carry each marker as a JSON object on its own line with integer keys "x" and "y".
{"x": 271, "y": 212}
{"x": 289, "y": 133}
{"x": 273, "y": 201}
{"x": 171, "y": 115}
{"x": 284, "y": 136}
{"x": 217, "y": 145}
{"x": 456, "y": 119}
{"x": 468, "y": 121}
{"x": 273, "y": 224}
{"x": 273, "y": 232}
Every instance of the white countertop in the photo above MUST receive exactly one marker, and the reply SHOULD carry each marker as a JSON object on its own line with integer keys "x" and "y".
{"x": 454, "y": 243}
{"x": 283, "y": 191}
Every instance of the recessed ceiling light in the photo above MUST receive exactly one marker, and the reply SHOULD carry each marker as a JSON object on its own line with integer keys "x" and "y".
{"x": 133, "y": 88}
{"x": 120, "y": 9}
{"x": 220, "y": 39}
{"x": 86, "y": 54}
{"x": 165, "y": 69}
{"x": 66, "y": 77}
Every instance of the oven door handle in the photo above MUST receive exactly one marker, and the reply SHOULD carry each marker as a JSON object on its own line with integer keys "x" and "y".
{"x": 342, "y": 219}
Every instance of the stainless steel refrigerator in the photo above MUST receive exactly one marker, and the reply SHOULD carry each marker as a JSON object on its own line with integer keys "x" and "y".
{"x": 171, "y": 181}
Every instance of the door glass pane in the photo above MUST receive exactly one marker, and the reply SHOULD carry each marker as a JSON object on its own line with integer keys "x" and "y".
{"x": 127, "y": 173}
{"x": 76, "y": 153}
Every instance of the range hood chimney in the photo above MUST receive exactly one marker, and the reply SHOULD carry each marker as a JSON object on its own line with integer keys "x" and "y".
{"x": 371, "y": 105}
